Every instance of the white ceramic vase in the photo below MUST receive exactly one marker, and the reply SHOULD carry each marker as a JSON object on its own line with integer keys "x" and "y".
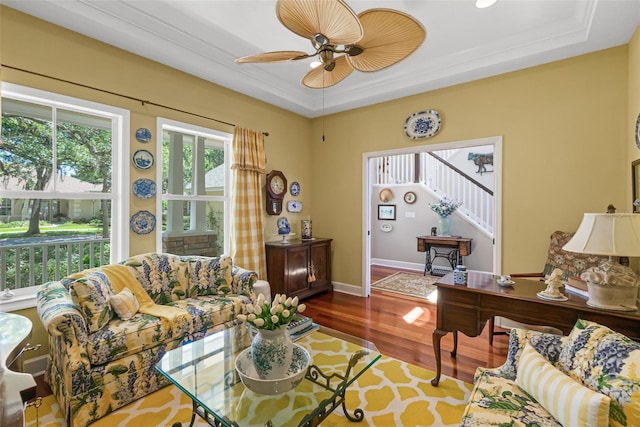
{"x": 271, "y": 352}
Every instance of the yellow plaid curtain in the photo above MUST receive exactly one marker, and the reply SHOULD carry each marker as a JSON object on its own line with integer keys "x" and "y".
{"x": 247, "y": 238}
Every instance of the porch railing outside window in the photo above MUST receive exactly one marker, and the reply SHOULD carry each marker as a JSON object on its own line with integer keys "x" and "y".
{"x": 29, "y": 262}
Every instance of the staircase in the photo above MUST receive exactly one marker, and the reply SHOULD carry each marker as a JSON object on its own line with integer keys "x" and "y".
{"x": 442, "y": 179}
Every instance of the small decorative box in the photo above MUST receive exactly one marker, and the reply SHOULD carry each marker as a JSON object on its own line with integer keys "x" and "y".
{"x": 460, "y": 275}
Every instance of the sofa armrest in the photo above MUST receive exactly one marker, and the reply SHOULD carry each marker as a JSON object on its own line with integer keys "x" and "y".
{"x": 59, "y": 314}
{"x": 548, "y": 345}
{"x": 242, "y": 281}
{"x": 67, "y": 335}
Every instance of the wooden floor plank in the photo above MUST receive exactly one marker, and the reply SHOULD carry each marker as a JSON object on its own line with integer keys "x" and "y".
{"x": 401, "y": 327}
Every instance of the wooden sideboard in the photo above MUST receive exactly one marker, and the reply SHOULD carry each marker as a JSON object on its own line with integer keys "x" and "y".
{"x": 290, "y": 264}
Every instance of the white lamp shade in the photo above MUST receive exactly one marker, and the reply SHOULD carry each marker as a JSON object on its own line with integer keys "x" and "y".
{"x": 607, "y": 234}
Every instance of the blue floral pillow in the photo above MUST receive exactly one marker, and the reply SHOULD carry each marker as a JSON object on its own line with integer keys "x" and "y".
{"x": 209, "y": 275}
{"x": 614, "y": 371}
{"x": 580, "y": 347}
{"x": 548, "y": 345}
{"x": 91, "y": 295}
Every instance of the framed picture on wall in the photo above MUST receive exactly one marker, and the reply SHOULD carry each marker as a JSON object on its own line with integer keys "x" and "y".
{"x": 387, "y": 212}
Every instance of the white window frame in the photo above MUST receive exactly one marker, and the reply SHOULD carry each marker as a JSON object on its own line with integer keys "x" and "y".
{"x": 161, "y": 125}
{"x": 26, "y": 297}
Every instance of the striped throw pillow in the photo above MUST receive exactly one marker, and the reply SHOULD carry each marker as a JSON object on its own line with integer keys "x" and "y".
{"x": 571, "y": 403}
{"x": 125, "y": 304}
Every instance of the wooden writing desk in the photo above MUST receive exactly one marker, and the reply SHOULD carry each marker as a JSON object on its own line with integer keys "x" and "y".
{"x": 455, "y": 248}
{"x": 467, "y": 309}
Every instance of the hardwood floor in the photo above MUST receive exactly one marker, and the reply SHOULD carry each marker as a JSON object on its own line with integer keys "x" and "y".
{"x": 401, "y": 327}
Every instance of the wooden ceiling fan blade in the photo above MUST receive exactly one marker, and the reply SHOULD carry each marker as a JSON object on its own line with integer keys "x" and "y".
{"x": 277, "y": 56}
{"x": 389, "y": 37}
{"x": 319, "y": 78}
{"x": 331, "y": 18}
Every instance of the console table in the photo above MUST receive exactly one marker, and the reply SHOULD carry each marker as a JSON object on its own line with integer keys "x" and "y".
{"x": 466, "y": 308}
{"x": 453, "y": 249}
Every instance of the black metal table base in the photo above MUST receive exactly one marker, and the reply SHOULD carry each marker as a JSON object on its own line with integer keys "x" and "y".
{"x": 451, "y": 255}
{"x": 313, "y": 419}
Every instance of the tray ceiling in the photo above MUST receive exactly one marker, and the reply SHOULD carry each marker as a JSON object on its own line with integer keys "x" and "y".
{"x": 463, "y": 43}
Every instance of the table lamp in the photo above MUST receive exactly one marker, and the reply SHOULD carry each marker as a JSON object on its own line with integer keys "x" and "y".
{"x": 611, "y": 286}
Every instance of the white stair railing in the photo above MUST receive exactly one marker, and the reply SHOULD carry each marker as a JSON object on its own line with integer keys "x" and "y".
{"x": 441, "y": 178}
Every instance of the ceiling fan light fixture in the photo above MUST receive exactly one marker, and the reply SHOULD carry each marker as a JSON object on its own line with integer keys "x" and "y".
{"x": 319, "y": 78}
{"x": 343, "y": 41}
{"x": 319, "y": 40}
{"x": 326, "y": 56}
{"x": 481, "y": 4}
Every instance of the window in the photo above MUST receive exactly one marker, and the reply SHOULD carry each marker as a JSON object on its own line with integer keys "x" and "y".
{"x": 61, "y": 189}
{"x": 195, "y": 189}
{"x": 5, "y": 207}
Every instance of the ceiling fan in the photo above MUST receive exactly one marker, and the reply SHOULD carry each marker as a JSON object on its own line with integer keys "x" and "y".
{"x": 343, "y": 41}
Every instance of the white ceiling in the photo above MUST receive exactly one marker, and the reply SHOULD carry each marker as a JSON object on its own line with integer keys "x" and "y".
{"x": 203, "y": 38}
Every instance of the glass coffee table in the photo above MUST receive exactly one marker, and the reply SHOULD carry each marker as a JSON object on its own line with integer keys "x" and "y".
{"x": 205, "y": 371}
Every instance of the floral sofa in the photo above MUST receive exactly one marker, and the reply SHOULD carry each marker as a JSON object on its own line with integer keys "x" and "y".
{"x": 589, "y": 378}
{"x": 109, "y": 326}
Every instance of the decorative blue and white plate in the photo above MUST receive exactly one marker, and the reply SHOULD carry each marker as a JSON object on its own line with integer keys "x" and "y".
{"x": 143, "y": 135}
{"x": 144, "y": 188}
{"x": 143, "y": 222}
{"x": 143, "y": 159}
{"x": 294, "y": 206}
{"x": 424, "y": 124}
{"x": 295, "y": 188}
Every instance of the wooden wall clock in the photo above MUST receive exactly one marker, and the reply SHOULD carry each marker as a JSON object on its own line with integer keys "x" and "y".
{"x": 276, "y": 189}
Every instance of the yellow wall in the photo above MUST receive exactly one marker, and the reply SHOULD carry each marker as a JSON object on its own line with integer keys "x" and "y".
{"x": 564, "y": 129}
{"x": 35, "y": 45}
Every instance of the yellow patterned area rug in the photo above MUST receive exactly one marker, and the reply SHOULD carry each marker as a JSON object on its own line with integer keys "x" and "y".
{"x": 412, "y": 284}
{"x": 391, "y": 393}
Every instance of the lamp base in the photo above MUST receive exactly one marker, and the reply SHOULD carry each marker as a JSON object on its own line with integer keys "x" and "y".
{"x": 612, "y": 297}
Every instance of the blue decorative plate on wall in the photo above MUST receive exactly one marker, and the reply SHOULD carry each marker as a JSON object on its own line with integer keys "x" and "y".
{"x": 294, "y": 206}
{"x": 143, "y": 222}
{"x": 295, "y": 188}
{"x": 143, "y": 159}
{"x": 424, "y": 124}
{"x": 144, "y": 188}
{"x": 143, "y": 135}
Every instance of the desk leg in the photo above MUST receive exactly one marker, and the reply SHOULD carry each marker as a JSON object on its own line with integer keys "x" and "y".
{"x": 437, "y": 336}
{"x": 455, "y": 344}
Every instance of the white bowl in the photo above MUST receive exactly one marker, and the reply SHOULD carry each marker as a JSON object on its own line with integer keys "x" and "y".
{"x": 299, "y": 363}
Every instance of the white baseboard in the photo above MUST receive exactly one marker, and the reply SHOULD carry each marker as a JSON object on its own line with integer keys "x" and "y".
{"x": 36, "y": 365}
{"x": 346, "y": 288}
{"x": 397, "y": 264}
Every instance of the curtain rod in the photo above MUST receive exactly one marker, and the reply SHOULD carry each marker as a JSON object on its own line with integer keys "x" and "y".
{"x": 142, "y": 101}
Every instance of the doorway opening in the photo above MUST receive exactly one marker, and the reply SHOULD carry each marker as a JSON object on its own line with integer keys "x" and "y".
{"x": 404, "y": 182}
